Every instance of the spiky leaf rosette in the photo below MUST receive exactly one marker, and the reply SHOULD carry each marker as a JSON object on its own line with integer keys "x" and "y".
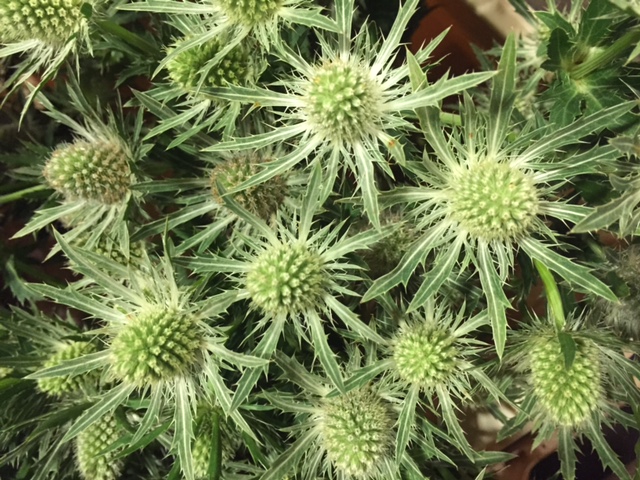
{"x": 356, "y": 430}
{"x": 262, "y": 200}
{"x": 293, "y": 272}
{"x": 433, "y": 352}
{"x": 568, "y": 395}
{"x": 58, "y": 386}
{"x": 484, "y": 198}
{"x": 160, "y": 347}
{"x": 189, "y": 68}
{"x": 156, "y": 346}
{"x": 51, "y": 22}
{"x": 348, "y": 107}
{"x": 93, "y": 171}
{"x": 91, "y": 442}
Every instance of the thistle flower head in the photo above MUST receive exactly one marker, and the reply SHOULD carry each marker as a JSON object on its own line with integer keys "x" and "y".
{"x": 250, "y": 12}
{"x": 156, "y": 346}
{"x": 52, "y": 22}
{"x": 203, "y": 444}
{"x": 567, "y": 395}
{"x": 493, "y": 201}
{"x": 93, "y": 440}
{"x": 58, "y": 386}
{"x": 187, "y": 68}
{"x": 425, "y": 355}
{"x": 343, "y": 101}
{"x": 287, "y": 279}
{"x": 356, "y": 430}
{"x": 262, "y": 200}
{"x": 93, "y": 171}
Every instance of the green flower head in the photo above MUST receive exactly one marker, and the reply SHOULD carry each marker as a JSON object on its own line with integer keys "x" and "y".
{"x": 188, "y": 69}
{"x": 155, "y": 346}
{"x": 262, "y": 200}
{"x": 356, "y": 430}
{"x": 96, "y": 438}
{"x": 52, "y": 22}
{"x": 58, "y": 386}
{"x": 287, "y": 278}
{"x": 567, "y": 395}
{"x": 93, "y": 171}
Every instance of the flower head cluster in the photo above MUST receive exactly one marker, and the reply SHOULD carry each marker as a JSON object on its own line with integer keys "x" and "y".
{"x": 568, "y": 395}
{"x": 156, "y": 346}
{"x": 51, "y": 22}
{"x": 287, "y": 279}
{"x": 356, "y": 431}
{"x": 262, "y": 200}
{"x": 189, "y": 69}
{"x": 92, "y": 171}
{"x": 425, "y": 355}
{"x": 203, "y": 444}
{"x": 250, "y": 12}
{"x": 493, "y": 201}
{"x": 342, "y": 102}
{"x": 89, "y": 444}
{"x": 58, "y": 386}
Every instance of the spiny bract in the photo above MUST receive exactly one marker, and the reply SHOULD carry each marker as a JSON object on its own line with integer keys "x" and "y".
{"x": 287, "y": 278}
{"x": 567, "y": 396}
{"x": 494, "y": 201}
{"x": 52, "y": 22}
{"x": 262, "y": 200}
{"x": 58, "y": 386}
{"x": 94, "y": 440}
{"x": 156, "y": 346}
{"x": 250, "y": 12}
{"x": 425, "y": 355}
{"x": 342, "y": 101}
{"x": 187, "y": 68}
{"x": 357, "y": 432}
{"x": 93, "y": 171}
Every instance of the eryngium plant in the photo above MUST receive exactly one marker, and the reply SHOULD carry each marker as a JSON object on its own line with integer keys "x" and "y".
{"x": 294, "y": 252}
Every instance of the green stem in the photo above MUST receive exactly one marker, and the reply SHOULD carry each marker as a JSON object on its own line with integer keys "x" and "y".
{"x": 131, "y": 38}
{"x": 452, "y": 119}
{"x": 12, "y": 197}
{"x": 216, "y": 452}
{"x": 553, "y": 295}
{"x": 606, "y": 56}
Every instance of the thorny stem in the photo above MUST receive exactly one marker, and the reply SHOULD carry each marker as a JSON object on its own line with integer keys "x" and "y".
{"x": 606, "y": 56}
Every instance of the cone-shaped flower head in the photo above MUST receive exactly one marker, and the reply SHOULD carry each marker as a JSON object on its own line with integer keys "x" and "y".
{"x": 57, "y": 386}
{"x": 343, "y": 101}
{"x": 203, "y": 444}
{"x": 494, "y": 201}
{"x": 52, "y": 22}
{"x": 94, "y": 171}
{"x": 186, "y": 68}
{"x": 155, "y": 346}
{"x": 250, "y": 12}
{"x": 567, "y": 396}
{"x": 383, "y": 256}
{"x": 287, "y": 278}
{"x": 425, "y": 355}
{"x": 91, "y": 442}
{"x": 262, "y": 200}
{"x": 356, "y": 430}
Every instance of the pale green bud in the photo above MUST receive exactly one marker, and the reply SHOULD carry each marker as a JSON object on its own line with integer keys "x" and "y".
{"x": 93, "y": 171}
{"x": 156, "y": 346}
